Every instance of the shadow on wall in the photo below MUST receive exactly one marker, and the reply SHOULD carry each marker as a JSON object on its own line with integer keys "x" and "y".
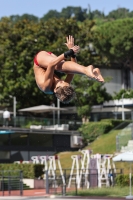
{"x": 16, "y": 156}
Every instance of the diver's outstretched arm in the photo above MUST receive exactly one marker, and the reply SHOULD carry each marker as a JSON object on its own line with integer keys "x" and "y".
{"x": 70, "y": 43}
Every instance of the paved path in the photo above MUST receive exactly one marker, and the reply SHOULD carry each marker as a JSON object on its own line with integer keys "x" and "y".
{"x": 56, "y": 198}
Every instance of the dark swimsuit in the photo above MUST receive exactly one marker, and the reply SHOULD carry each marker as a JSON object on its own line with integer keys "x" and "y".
{"x": 36, "y": 62}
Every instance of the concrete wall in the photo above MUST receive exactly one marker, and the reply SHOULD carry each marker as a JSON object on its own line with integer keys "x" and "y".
{"x": 115, "y": 83}
{"x": 29, "y": 182}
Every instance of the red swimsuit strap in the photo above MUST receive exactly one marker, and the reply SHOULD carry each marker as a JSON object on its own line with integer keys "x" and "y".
{"x": 35, "y": 59}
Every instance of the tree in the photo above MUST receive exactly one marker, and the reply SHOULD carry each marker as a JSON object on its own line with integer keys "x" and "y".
{"x": 130, "y": 14}
{"x": 18, "y": 47}
{"x": 77, "y": 12}
{"x": 98, "y": 14}
{"x": 19, "y": 43}
{"x": 127, "y": 94}
{"x": 113, "y": 42}
{"x": 118, "y": 13}
{"x": 51, "y": 14}
{"x": 16, "y": 18}
{"x": 88, "y": 93}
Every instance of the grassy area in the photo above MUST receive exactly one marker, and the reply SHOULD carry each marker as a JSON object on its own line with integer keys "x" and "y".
{"x": 105, "y": 144}
{"x": 106, "y": 192}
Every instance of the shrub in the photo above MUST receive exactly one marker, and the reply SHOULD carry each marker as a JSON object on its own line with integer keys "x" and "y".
{"x": 92, "y": 130}
{"x": 29, "y": 170}
{"x": 122, "y": 180}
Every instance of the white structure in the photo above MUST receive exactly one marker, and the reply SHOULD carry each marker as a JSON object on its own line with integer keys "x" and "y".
{"x": 104, "y": 166}
{"x": 84, "y": 171}
{"x": 129, "y": 147}
{"x": 61, "y": 127}
{"x": 75, "y": 170}
{"x": 115, "y": 84}
{"x": 81, "y": 168}
{"x": 76, "y": 141}
{"x": 119, "y": 102}
{"x": 118, "y": 80}
{"x": 51, "y": 164}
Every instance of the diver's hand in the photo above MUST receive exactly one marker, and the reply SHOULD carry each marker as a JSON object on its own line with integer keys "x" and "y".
{"x": 75, "y": 49}
{"x": 70, "y": 41}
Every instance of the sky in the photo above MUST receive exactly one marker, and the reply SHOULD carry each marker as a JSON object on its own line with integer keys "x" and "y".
{"x": 40, "y": 7}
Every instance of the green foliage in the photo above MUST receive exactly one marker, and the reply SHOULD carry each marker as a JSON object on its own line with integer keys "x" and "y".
{"x": 19, "y": 44}
{"x": 123, "y": 180}
{"x": 77, "y": 13}
{"x": 50, "y": 14}
{"x": 119, "y": 13}
{"x": 112, "y": 42}
{"x": 29, "y": 170}
{"x": 16, "y": 18}
{"x": 88, "y": 93}
{"x": 103, "y": 192}
{"x": 115, "y": 122}
{"x": 98, "y": 14}
{"x": 29, "y": 123}
{"x": 123, "y": 93}
{"x": 92, "y": 130}
{"x": 38, "y": 170}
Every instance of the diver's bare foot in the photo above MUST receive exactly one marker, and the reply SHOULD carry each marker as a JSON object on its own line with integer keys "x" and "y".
{"x": 97, "y": 73}
{"x": 90, "y": 73}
